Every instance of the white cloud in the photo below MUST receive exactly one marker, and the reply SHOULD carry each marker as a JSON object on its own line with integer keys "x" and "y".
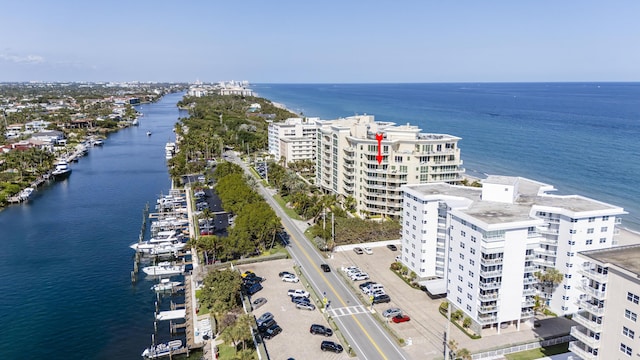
{"x": 28, "y": 59}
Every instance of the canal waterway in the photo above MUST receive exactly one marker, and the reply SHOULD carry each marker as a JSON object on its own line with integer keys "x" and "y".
{"x": 66, "y": 291}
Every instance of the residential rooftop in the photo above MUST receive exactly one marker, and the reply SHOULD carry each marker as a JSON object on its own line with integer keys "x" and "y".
{"x": 625, "y": 257}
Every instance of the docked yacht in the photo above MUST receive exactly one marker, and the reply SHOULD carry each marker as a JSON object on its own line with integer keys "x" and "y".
{"x": 61, "y": 171}
{"x": 25, "y": 194}
{"x": 162, "y": 349}
{"x": 158, "y": 248}
{"x": 164, "y": 268}
{"x": 165, "y": 285}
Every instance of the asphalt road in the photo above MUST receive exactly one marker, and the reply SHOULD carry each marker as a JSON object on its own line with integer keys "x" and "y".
{"x": 367, "y": 338}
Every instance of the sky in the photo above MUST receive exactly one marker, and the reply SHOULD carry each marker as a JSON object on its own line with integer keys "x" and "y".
{"x": 346, "y": 41}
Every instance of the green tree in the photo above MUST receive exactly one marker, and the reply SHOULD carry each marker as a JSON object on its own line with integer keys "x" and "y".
{"x": 466, "y": 322}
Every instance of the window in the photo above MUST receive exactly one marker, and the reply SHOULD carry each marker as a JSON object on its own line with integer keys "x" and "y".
{"x": 463, "y": 233}
{"x": 633, "y": 297}
{"x": 605, "y": 218}
{"x": 459, "y": 277}
{"x": 462, "y": 245}
{"x": 468, "y": 307}
{"x": 571, "y": 242}
{"x": 604, "y": 229}
{"x": 590, "y": 241}
{"x": 625, "y": 349}
{"x": 569, "y": 253}
{"x": 590, "y": 231}
{"x": 472, "y": 250}
{"x": 574, "y": 220}
{"x": 473, "y": 238}
{"x": 459, "y": 300}
{"x": 471, "y": 273}
{"x": 572, "y": 231}
{"x": 470, "y": 285}
{"x": 471, "y": 262}
{"x": 603, "y": 240}
{"x": 567, "y": 276}
{"x": 462, "y": 256}
{"x": 592, "y": 219}
{"x": 461, "y": 267}
{"x": 469, "y": 297}
{"x": 630, "y": 315}
{"x": 628, "y": 332}
{"x": 459, "y": 289}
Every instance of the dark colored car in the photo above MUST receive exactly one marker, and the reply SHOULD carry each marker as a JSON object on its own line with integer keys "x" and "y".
{"x": 365, "y": 284}
{"x": 300, "y": 299}
{"x": 381, "y": 299}
{"x": 331, "y": 346}
{"x": 248, "y": 281}
{"x": 267, "y": 324}
{"x": 320, "y": 330}
{"x": 283, "y": 273}
{"x": 252, "y": 288}
{"x": 392, "y": 247}
{"x": 264, "y": 318}
{"x": 272, "y": 331}
{"x": 325, "y": 267}
{"x": 358, "y": 250}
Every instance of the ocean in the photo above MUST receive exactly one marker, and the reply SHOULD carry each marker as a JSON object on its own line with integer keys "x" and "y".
{"x": 582, "y": 138}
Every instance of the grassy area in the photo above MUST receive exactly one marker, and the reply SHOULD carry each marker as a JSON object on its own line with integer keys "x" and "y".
{"x": 226, "y": 352}
{"x": 540, "y": 352}
{"x": 283, "y": 204}
{"x": 202, "y": 310}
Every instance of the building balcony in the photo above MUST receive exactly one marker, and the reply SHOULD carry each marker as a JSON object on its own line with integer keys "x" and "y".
{"x": 596, "y": 293}
{"x": 487, "y": 319}
{"x": 493, "y": 296}
{"x": 530, "y": 268}
{"x": 587, "y": 322}
{"x": 594, "y": 309}
{"x": 581, "y": 333}
{"x": 545, "y": 252}
{"x": 594, "y": 275}
{"x": 486, "y": 309}
{"x": 348, "y": 166}
{"x": 528, "y": 303}
{"x": 580, "y": 349}
{"x": 530, "y": 280}
{"x": 494, "y": 261}
{"x": 527, "y": 314}
{"x": 490, "y": 274}
{"x": 529, "y": 291}
{"x": 490, "y": 285}
{"x": 551, "y": 230}
{"x": 549, "y": 241}
{"x": 544, "y": 262}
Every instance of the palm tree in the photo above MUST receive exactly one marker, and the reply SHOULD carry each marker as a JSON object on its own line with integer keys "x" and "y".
{"x": 463, "y": 354}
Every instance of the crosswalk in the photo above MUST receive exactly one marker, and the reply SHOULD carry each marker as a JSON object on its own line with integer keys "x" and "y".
{"x": 346, "y": 311}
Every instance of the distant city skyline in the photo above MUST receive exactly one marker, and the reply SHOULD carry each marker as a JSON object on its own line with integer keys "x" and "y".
{"x": 320, "y": 42}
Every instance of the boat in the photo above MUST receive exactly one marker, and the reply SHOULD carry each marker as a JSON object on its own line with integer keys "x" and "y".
{"x": 165, "y": 285}
{"x": 25, "y": 194}
{"x": 162, "y": 349}
{"x": 61, "y": 171}
{"x": 97, "y": 142}
{"x": 135, "y": 122}
{"x": 148, "y": 133}
{"x": 161, "y": 248}
{"x": 163, "y": 268}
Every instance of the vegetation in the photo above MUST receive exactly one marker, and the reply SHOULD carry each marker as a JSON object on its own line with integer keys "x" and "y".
{"x": 457, "y": 319}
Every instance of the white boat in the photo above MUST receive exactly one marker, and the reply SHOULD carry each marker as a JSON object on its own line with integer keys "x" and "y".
{"x": 167, "y": 236}
{"x": 97, "y": 142}
{"x": 163, "y": 269}
{"x": 135, "y": 122}
{"x": 62, "y": 170}
{"x": 148, "y": 133}
{"x": 165, "y": 285}
{"x": 158, "y": 248}
{"x": 162, "y": 349}
{"x": 25, "y": 194}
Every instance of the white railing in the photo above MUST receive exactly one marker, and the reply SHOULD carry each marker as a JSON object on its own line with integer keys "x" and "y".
{"x": 577, "y": 333}
{"x": 575, "y": 348}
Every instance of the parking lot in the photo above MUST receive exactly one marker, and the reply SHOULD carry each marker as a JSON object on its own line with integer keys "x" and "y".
{"x": 295, "y": 341}
{"x": 424, "y": 332}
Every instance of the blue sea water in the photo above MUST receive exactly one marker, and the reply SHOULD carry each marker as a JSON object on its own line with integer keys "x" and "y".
{"x": 582, "y": 138}
{"x": 65, "y": 262}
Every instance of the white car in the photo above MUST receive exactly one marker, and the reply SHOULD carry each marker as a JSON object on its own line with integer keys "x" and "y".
{"x": 290, "y": 278}
{"x": 350, "y": 268}
{"x": 359, "y": 276}
{"x": 367, "y": 250}
{"x": 298, "y": 292}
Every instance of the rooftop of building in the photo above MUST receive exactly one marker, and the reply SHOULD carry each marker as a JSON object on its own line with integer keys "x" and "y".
{"x": 625, "y": 257}
{"x": 530, "y": 193}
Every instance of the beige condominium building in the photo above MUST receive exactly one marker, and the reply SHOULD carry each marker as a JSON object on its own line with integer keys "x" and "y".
{"x": 293, "y": 139}
{"x": 610, "y": 304}
{"x": 347, "y": 164}
{"x": 489, "y": 242}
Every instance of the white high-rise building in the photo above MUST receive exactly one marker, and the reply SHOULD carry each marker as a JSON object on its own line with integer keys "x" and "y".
{"x": 347, "y": 161}
{"x": 488, "y": 242}
{"x": 293, "y": 139}
{"x": 610, "y": 303}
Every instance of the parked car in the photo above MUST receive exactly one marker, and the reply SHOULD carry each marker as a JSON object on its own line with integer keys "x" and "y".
{"x": 305, "y": 306}
{"x": 264, "y": 318}
{"x": 400, "y": 318}
{"x": 290, "y": 278}
{"x": 258, "y": 302}
{"x": 366, "y": 284}
{"x": 248, "y": 273}
{"x": 368, "y": 250}
{"x": 381, "y": 299}
{"x": 320, "y": 330}
{"x": 252, "y": 289}
{"x": 298, "y": 299}
{"x": 325, "y": 267}
{"x": 271, "y": 331}
{"x": 358, "y": 250}
{"x": 349, "y": 269}
{"x": 298, "y": 292}
{"x": 248, "y": 281}
{"x": 392, "y": 247}
{"x": 267, "y": 324}
{"x": 283, "y": 273}
{"x": 331, "y": 346}
{"x": 360, "y": 276}
{"x": 390, "y": 312}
